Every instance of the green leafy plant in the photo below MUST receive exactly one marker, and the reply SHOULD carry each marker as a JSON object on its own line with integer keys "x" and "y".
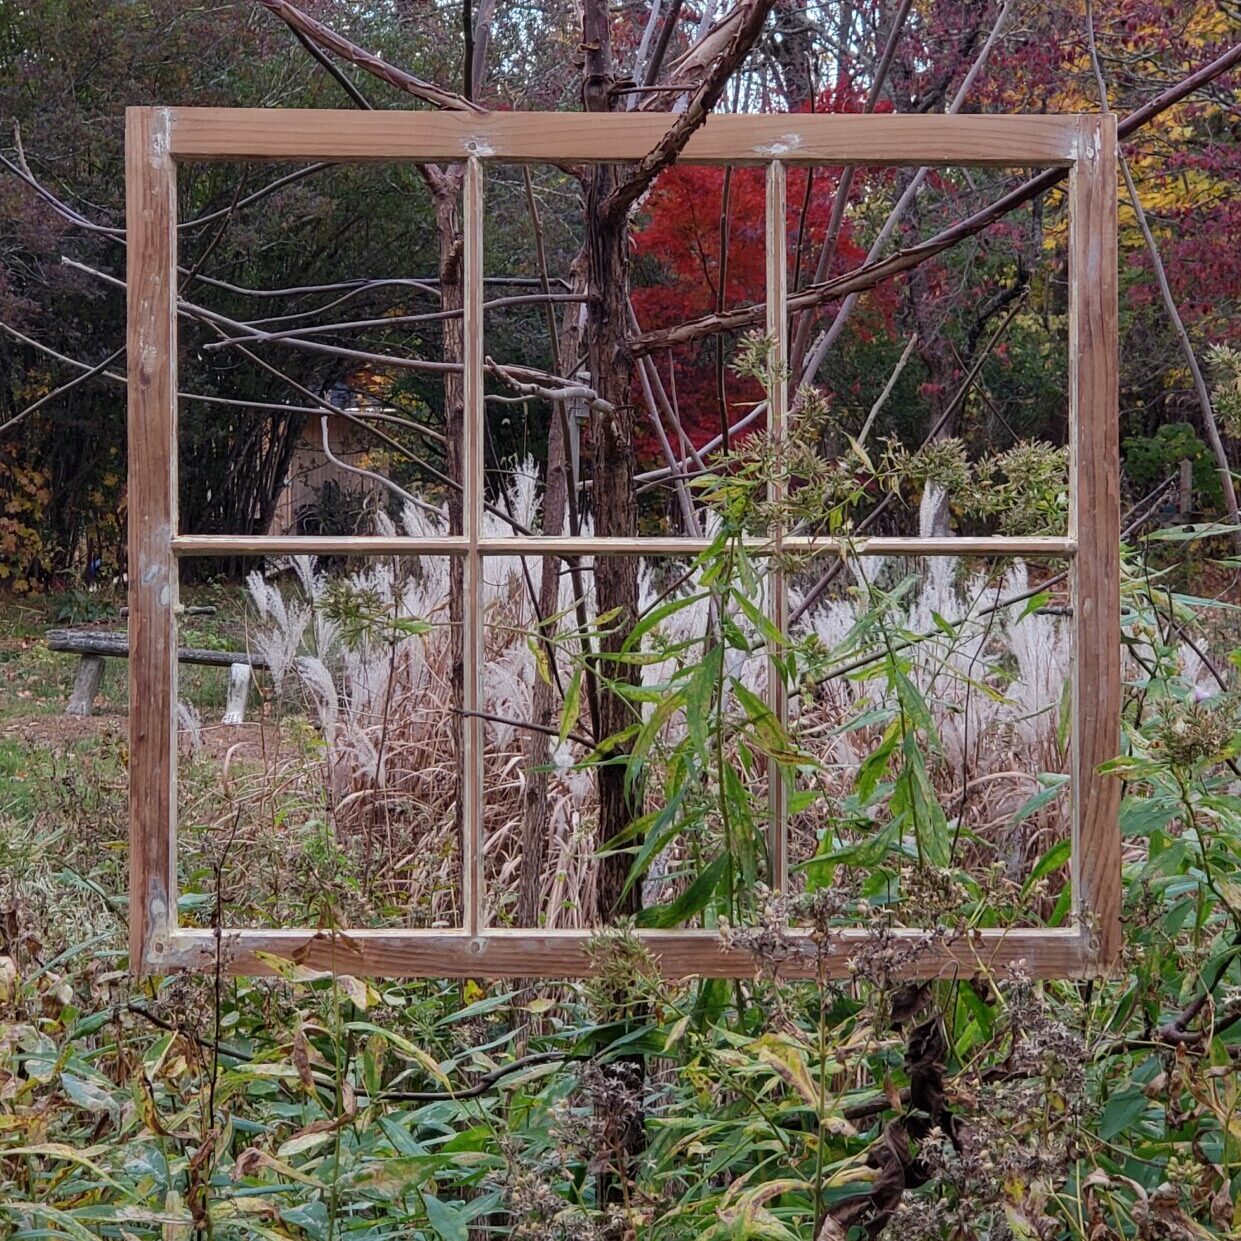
{"x": 1152, "y": 459}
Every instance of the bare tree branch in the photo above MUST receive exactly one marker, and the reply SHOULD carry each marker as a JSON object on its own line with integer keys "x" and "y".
{"x": 661, "y": 47}
{"x": 871, "y": 274}
{"x": 432, "y": 316}
{"x": 540, "y": 383}
{"x": 710, "y": 63}
{"x": 302, "y": 24}
{"x": 641, "y": 58}
{"x": 801, "y": 335}
{"x": 48, "y": 397}
{"x": 810, "y": 366}
{"x": 335, "y": 71}
{"x": 519, "y": 379}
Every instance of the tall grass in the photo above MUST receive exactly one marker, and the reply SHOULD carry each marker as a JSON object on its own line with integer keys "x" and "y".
{"x": 993, "y": 672}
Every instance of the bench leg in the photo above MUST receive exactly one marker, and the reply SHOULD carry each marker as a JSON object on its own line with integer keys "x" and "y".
{"x": 85, "y": 685}
{"x": 238, "y": 693}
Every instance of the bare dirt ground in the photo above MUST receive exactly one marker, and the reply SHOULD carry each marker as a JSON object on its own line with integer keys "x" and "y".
{"x": 60, "y": 731}
{"x": 245, "y": 742}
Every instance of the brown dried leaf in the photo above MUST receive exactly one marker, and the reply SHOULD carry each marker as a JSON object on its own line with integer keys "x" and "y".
{"x": 301, "y": 1060}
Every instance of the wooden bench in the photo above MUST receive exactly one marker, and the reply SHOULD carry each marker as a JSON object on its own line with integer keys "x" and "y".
{"x": 96, "y": 645}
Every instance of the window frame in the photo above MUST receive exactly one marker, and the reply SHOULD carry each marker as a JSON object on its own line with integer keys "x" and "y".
{"x": 157, "y": 138}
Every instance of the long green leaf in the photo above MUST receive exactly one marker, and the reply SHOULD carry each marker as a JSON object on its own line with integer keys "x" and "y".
{"x": 692, "y": 901}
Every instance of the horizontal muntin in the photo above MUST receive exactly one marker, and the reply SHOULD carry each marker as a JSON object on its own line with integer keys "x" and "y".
{"x": 973, "y": 140}
{"x": 446, "y": 545}
{"x": 521, "y": 953}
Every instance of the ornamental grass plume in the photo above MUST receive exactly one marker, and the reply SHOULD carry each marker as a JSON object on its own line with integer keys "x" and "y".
{"x": 366, "y": 654}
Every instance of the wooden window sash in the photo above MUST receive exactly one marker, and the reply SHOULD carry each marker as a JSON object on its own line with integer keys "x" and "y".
{"x": 156, "y": 138}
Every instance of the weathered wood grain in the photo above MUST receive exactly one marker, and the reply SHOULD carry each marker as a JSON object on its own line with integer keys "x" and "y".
{"x": 1094, "y": 520}
{"x": 574, "y": 137}
{"x": 151, "y": 344}
{"x": 777, "y": 603}
{"x": 472, "y": 739}
{"x": 564, "y": 954}
{"x": 239, "y": 678}
{"x": 86, "y": 683}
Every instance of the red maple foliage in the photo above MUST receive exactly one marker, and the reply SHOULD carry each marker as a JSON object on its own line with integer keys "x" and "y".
{"x": 677, "y": 268}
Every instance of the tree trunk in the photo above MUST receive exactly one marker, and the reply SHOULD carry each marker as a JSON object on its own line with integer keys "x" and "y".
{"x": 614, "y": 508}
{"x": 615, "y": 515}
{"x": 612, "y": 462}
{"x": 534, "y": 826}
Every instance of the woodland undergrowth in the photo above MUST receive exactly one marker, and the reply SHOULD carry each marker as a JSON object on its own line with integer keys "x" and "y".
{"x": 923, "y": 761}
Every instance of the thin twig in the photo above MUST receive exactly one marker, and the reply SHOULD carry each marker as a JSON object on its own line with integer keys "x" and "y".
{"x": 65, "y": 387}
{"x": 887, "y": 391}
{"x": 346, "y": 50}
{"x": 840, "y": 202}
